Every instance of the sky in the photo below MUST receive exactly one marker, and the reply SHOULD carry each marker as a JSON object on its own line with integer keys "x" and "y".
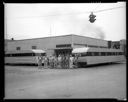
{"x": 26, "y": 21}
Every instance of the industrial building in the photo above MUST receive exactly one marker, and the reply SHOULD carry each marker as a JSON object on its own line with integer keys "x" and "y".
{"x": 56, "y": 44}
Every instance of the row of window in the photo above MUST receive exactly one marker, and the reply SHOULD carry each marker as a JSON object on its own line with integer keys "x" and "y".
{"x": 33, "y": 47}
{"x": 22, "y": 54}
{"x": 83, "y": 54}
{"x": 66, "y": 45}
{"x": 63, "y": 45}
{"x": 101, "y": 54}
{"x": 94, "y": 46}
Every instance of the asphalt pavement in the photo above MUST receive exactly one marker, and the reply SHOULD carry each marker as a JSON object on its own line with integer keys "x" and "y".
{"x": 29, "y": 82}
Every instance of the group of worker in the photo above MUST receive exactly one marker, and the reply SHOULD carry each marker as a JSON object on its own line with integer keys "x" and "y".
{"x": 62, "y": 61}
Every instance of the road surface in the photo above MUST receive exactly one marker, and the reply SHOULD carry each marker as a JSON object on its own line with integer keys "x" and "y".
{"x": 28, "y": 82}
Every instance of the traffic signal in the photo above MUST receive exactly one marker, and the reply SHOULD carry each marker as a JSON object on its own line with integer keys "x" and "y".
{"x": 92, "y": 17}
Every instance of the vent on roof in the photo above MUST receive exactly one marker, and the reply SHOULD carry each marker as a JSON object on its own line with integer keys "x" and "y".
{"x": 12, "y": 38}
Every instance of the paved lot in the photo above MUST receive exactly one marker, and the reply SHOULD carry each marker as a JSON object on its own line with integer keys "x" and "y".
{"x": 28, "y": 82}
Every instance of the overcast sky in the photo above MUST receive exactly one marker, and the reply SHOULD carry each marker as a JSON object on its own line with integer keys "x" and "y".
{"x": 26, "y": 21}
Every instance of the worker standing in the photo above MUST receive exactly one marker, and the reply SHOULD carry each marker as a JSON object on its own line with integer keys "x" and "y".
{"x": 67, "y": 61}
{"x": 62, "y": 61}
{"x": 75, "y": 61}
{"x": 64, "y": 64}
{"x": 71, "y": 61}
{"x": 50, "y": 62}
{"x": 55, "y": 62}
{"x": 59, "y": 61}
{"x": 39, "y": 61}
{"x": 45, "y": 61}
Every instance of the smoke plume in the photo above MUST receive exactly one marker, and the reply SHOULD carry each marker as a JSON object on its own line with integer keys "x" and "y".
{"x": 92, "y": 31}
{"x": 75, "y": 24}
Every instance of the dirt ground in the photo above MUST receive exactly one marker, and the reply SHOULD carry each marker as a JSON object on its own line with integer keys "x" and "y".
{"x": 29, "y": 82}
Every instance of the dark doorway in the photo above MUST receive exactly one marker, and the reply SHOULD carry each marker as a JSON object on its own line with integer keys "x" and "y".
{"x": 62, "y": 51}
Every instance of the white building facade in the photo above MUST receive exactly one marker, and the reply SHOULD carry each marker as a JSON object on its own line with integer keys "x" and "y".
{"x": 56, "y": 44}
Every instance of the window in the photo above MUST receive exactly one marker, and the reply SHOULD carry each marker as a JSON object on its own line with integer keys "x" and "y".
{"x": 34, "y": 47}
{"x": 96, "y": 53}
{"x": 103, "y": 53}
{"x": 63, "y": 45}
{"x": 89, "y": 53}
{"x": 114, "y": 54}
{"x": 120, "y": 53}
{"x": 18, "y": 48}
{"x": 109, "y": 53}
{"x": 7, "y": 55}
{"x": 43, "y": 54}
{"x": 83, "y": 54}
{"x": 26, "y": 54}
{"x": 19, "y": 54}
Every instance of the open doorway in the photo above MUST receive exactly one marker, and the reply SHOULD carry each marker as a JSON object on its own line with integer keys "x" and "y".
{"x": 62, "y": 51}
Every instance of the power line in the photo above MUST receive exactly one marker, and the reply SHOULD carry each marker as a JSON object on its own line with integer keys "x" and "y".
{"x": 51, "y": 15}
{"x": 96, "y": 7}
{"x": 109, "y": 9}
{"x": 72, "y": 13}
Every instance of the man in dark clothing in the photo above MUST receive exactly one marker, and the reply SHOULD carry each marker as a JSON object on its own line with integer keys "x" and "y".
{"x": 67, "y": 61}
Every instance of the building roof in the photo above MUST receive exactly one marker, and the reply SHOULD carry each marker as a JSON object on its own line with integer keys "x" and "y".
{"x": 58, "y": 36}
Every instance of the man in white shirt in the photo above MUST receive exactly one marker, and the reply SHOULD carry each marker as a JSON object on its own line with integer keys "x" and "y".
{"x": 71, "y": 61}
{"x": 59, "y": 61}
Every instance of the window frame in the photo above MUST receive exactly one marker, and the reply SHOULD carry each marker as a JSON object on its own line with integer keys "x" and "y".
{"x": 18, "y": 48}
{"x": 34, "y": 47}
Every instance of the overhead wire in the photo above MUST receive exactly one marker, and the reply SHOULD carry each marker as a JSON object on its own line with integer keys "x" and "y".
{"x": 96, "y": 7}
{"x": 50, "y": 15}
{"x": 73, "y": 13}
{"x": 109, "y": 9}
